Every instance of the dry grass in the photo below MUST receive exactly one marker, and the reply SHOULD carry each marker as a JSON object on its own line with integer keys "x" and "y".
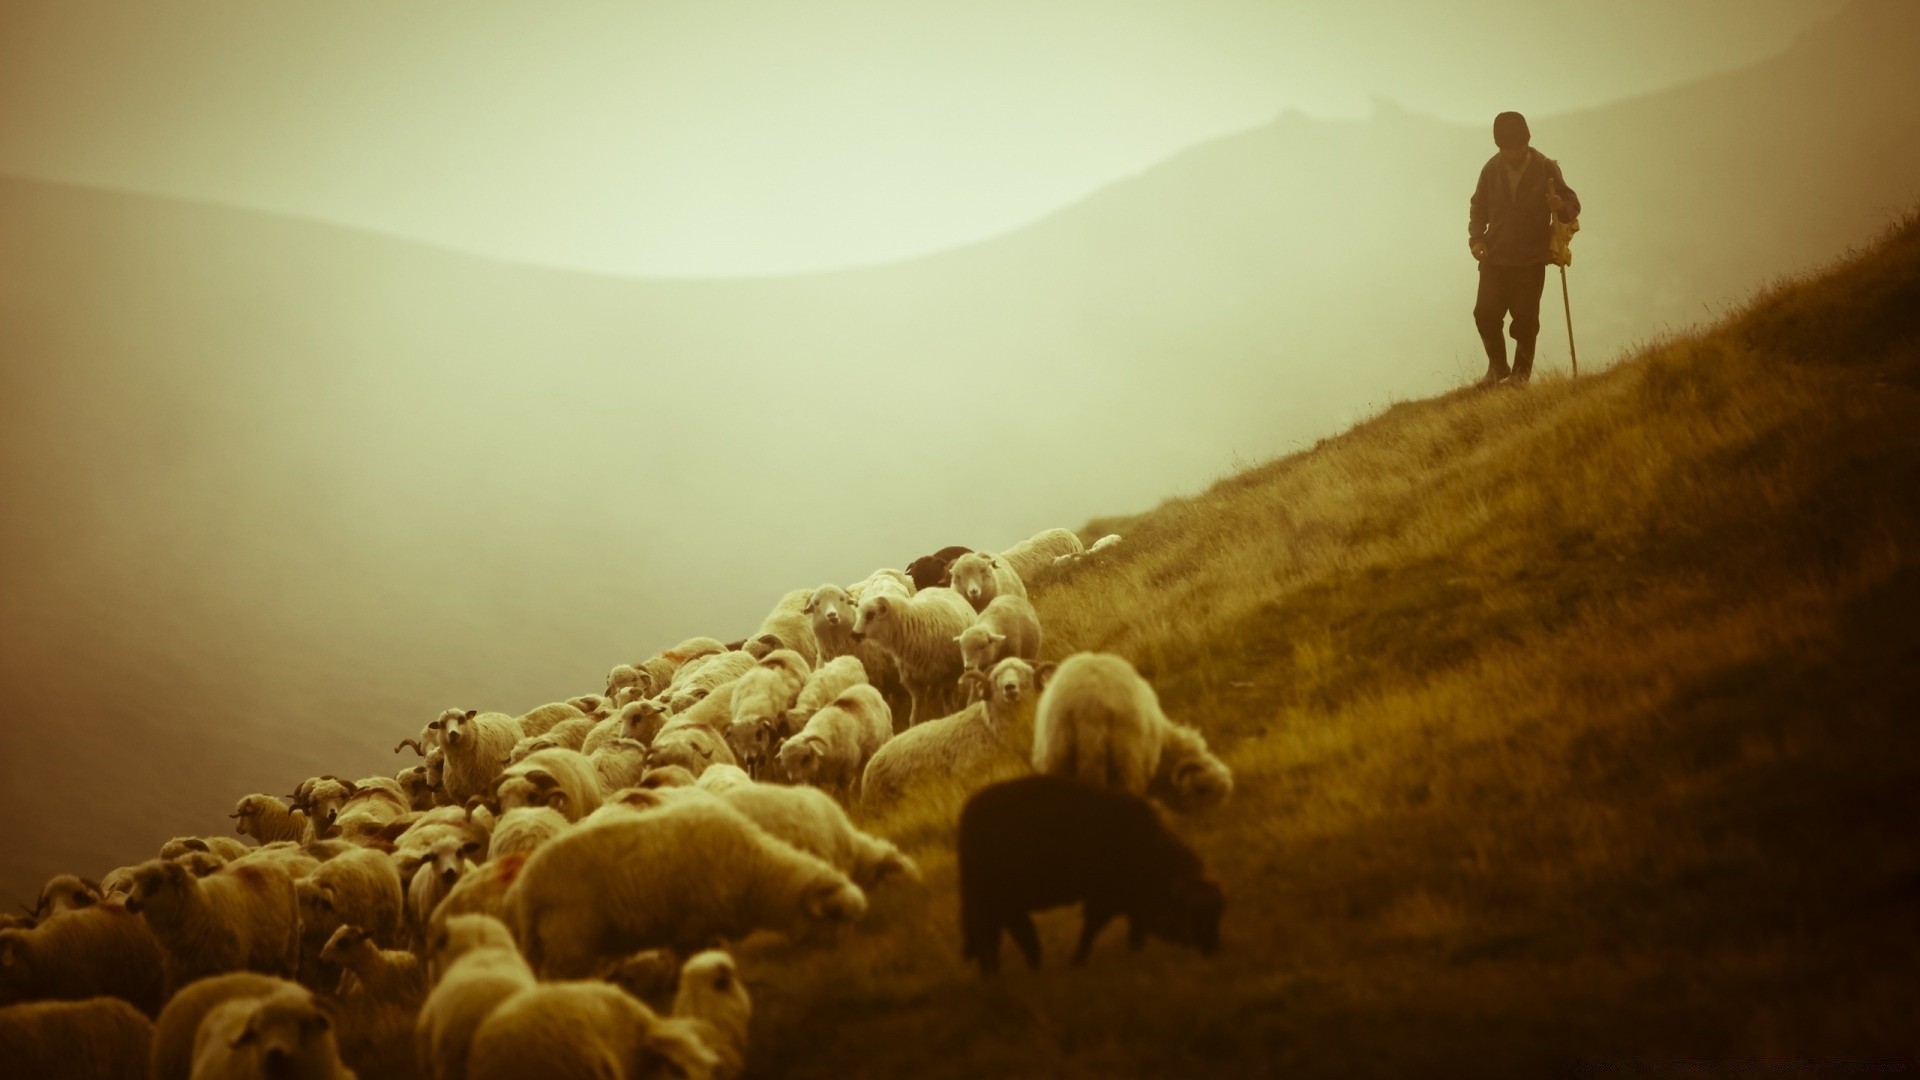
{"x": 1569, "y": 724}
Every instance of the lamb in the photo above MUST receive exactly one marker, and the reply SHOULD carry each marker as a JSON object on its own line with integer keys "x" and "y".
{"x": 918, "y": 633}
{"x": 581, "y": 1029}
{"x": 1100, "y": 721}
{"x": 98, "y": 951}
{"x": 1189, "y": 778}
{"x": 620, "y": 763}
{"x": 1008, "y": 626}
{"x": 1034, "y": 555}
{"x": 676, "y": 876}
{"x": 63, "y": 893}
{"x": 1043, "y": 841}
{"x": 246, "y": 916}
{"x": 282, "y": 1033}
{"x": 268, "y": 820}
{"x": 101, "y": 1039}
{"x": 478, "y": 968}
{"x": 476, "y": 747}
{"x": 380, "y": 993}
{"x": 929, "y": 571}
{"x": 360, "y": 887}
{"x": 787, "y": 626}
{"x": 179, "y": 1023}
{"x": 713, "y": 1001}
{"x": 811, "y": 821}
{"x": 566, "y": 780}
{"x": 979, "y": 577}
{"x": 693, "y": 747}
{"x": 835, "y": 745}
{"x": 965, "y": 744}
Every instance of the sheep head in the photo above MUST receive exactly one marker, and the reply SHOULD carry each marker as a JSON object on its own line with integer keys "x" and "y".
{"x": 346, "y": 939}
{"x": 800, "y": 757}
{"x": 65, "y": 892}
{"x": 286, "y": 1030}
{"x": 642, "y": 720}
{"x": 873, "y": 610}
{"x": 456, "y": 726}
{"x": 158, "y": 883}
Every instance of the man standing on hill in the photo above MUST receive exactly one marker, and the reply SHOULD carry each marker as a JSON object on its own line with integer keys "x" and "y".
{"x": 1509, "y": 228}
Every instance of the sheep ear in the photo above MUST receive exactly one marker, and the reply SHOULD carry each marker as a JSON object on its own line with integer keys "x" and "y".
{"x": 557, "y": 800}
{"x": 809, "y": 607}
{"x": 1044, "y": 672}
{"x": 996, "y": 638}
{"x": 819, "y": 898}
{"x": 246, "y": 1034}
{"x": 471, "y": 713}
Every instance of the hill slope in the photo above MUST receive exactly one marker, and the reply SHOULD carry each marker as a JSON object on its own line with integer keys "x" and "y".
{"x": 1574, "y": 723}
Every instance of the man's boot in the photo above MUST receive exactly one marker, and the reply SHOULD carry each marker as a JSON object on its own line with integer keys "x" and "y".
{"x": 1522, "y": 362}
{"x": 1496, "y": 360}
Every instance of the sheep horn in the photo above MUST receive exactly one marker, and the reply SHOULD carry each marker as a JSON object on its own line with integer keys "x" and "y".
{"x": 415, "y": 743}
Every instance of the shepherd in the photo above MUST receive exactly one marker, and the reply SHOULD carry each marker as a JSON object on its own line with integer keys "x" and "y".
{"x": 1510, "y": 230}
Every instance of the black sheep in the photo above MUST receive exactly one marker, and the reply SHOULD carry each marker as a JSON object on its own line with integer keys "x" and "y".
{"x": 929, "y": 571}
{"x": 1044, "y": 841}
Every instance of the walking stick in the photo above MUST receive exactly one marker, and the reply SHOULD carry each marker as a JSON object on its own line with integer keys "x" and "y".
{"x": 1568, "y": 306}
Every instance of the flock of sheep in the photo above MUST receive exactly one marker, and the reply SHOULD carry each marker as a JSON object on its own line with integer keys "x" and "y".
{"x": 547, "y": 894}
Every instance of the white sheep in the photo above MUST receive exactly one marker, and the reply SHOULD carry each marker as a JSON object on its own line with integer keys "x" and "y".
{"x": 810, "y": 820}
{"x": 360, "y": 887}
{"x": 676, "y": 876}
{"x": 97, "y": 951}
{"x": 1098, "y": 720}
{"x": 712, "y": 999}
{"x": 693, "y": 747}
{"x": 787, "y": 626}
{"x": 1190, "y": 777}
{"x": 413, "y": 782}
{"x": 268, "y": 820}
{"x": 969, "y": 742}
{"x": 1034, "y": 555}
{"x": 620, "y": 763}
{"x": 283, "y": 1033}
{"x": 979, "y": 577}
{"x": 1006, "y": 627}
{"x": 563, "y": 779}
{"x": 719, "y": 778}
{"x": 244, "y": 916}
{"x": 85, "y": 1040}
{"x": 769, "y": 688}
{"x": 539, "y": 721}
{"x": 476, "y": 746}
{"x": 641, "y": 721}
{"x": 604, "y": 730}
{"x": 65, "y": 892}
{"x": 707, "y": 678}
{"x": 1098, "y": 546}
{"x": 372, "y": 805}
{"x": 833, "y": 611}
{"x": 477, "y": 968}
{"x": 226, "y": 848}
{"x": 754, "y": 742}
{"x": 918, "y": 633}
{"x": 520, "y": 831}
{"x": 178, "y": 1024}
{"x": 658, "y": 672}
{"x": 585, "y": 1029}
{"x": 379, "y": 995}
{"x": 836, "y": 743}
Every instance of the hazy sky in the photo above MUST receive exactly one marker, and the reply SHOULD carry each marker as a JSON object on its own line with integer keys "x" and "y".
{"x": 724, "y": 137}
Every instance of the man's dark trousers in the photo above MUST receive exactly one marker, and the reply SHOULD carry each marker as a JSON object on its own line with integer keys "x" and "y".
{"x": 1515, "y": 290}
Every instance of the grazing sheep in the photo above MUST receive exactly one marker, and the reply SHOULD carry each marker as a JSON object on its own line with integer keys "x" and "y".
{"x": 811, "y": 821}
{"x": 620, "y": 763}
{"x": 1043, "y": 841}
{"x": 918, "y": 634}
{"x": 477, "y": 968}
{"x": 268, "y": 820}
{"x": 476, "y": 747}
{"x": 965, "y": 744}
{"x": 98, "y": 951}
{"x": 380, "y": 993}
{"x": 245, "y": 916}
{"x": 769, "y": 688}
{"x": 360, "y": 887}
{"x": 1006, "y": 627}
{"x": 284, "y": 1033}
{"x": 179, "y": 1023}
{"x": 677, "y": 876}
{"x": 565, "y": 1029}
{"x": 565, "y": 780}
{"x": 719, "y": 778}
{"x": 754, "y": 743}
{"x": 373, "y": 804}
{"x": 101, "y": 1039}
{"x": 1100, "y": 721}
{"x": 979, "y": 577}
{"x": 929, "y": 571}
{"x": 836, "y": 743}
{"x": 63, "y": 893}
{"x": 1189, "y": 778}
{"x": 1099, "y": 546}
{"x": 713, "y": 1000}
{"x": 1034, "y": 555}
{"x": 537, "y": 722}
{"x": 787, "y": 626}
{"x": 693, "y": 747}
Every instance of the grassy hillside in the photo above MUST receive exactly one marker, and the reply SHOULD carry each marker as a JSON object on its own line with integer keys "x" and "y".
{"x": 1573, "y": 723}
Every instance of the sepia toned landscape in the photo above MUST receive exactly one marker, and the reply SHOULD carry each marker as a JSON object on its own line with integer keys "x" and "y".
{"x": 1521, "y": 731}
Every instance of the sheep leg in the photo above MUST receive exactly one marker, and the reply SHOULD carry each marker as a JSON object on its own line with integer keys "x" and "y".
{"x": 982, "y": 937}
{"x": 1020, "y": 927}
{"x": 1094, "y": 919}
